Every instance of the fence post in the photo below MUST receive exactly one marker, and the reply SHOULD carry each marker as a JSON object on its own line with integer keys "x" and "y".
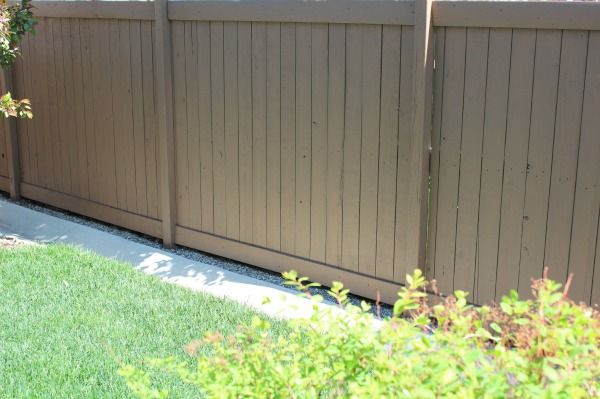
{"x": 420, "y": 136}
{"x": 12, "y": 140}
{"x": 164, "y": 104}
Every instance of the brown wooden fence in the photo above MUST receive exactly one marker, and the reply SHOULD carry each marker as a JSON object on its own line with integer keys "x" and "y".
{"x": 292, "y": 134}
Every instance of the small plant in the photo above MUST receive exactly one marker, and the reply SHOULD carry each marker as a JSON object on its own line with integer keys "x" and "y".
{"x": 547, "y": 347}
{"x": 16, "y": 19}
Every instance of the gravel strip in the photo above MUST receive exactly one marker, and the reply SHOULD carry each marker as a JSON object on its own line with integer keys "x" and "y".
{"x": 10, "y": 242}
{"x": 192, "y": 254}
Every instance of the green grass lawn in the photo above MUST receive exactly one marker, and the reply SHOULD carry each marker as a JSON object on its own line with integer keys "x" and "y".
{"x": 69, "y": 318}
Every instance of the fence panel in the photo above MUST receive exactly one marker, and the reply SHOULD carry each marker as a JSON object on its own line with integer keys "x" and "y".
{"x": 92, "y": 142}
{"x": 295, "y": 137}
{"x": 513, "y": 172}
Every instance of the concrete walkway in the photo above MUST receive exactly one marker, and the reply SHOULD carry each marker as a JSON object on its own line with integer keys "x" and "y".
{"x": 28, "y": 224}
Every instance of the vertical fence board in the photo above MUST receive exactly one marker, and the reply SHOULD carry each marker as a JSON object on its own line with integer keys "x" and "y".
{"x": 137, "y": 116}
{"x": 3, "y": 152}
{"x": 64, "y": 120}
{"x": 58, "y": 143}
{"x": 303, "y": 139}
{"x": 422, "y": 93}
{"x": 40, "y": 93}
{"x": 193, "y": 134}
{"x": 438, "y": 94}
{"x": 103, "y": 115}
{"x": 3, "y": 157}
{"x": 566, "y": 145}
{"x": 126, "y": 108}
{"x": 245, "y": 126}
{"x": 369, "y": 156}
{"x": 470, "y": 162}
{"x": 388, "y": 150}
{"x": 259, "y": 136}
{"x": 587, "y": 186}
{"x": 288, "y": 137}
{"x": 335, "y": 141}
{"x": 118, "y": 115}
{"x": 404, "y": 142}
{"x": 67, "y": 108}
{"x": 273, "y": 136}
{"x": 18, "y": 87}
{"x": 205, "y": 117}
{"x": 318, "y": 191}
{"x": 492, "y": 163}
{"x": 515, "y": 159}
{"x": 218, "y": 127}
{"x": 539, "y": 161}
{"x": 454, "y": 75}
{"x": 230, "y": 42}
{"x": 150, "y": 131}
{"x": 89, "y": 109}
{"x": 26, "y": 129}
{"x": 180, "y": 120}
{"x": 351, "y": 168}
{"x": 78, "y": 110}
{"x": 43, "y": 126}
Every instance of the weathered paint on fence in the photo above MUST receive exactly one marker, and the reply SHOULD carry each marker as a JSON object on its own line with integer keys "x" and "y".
{"x": 296, "y": 141}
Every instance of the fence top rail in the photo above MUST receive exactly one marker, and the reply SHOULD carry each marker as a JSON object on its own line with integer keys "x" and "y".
{"x": 139, "y": 10}
{"x": 517, "y": 14}
{"x": 391, "y": 12}
{"x": 462, "y": 13}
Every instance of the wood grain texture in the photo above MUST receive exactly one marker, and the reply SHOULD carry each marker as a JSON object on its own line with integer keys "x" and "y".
{"x": 319, "y": 113}
{"x": 192, "y": 150}
{"x": 303, "y": 139}
{"x": 259, "y": 133}
{"x": 470, "y": 165}
{"x": 335, "y": 141}
{"x": 245, "y": 130}
{"x": 515, "y": 159}
{"x": 369, "y": 151}
{"x": 587, "y": 186}
{"x": 352, "y": 143}
{"x": 273, "y": 178}
{"x": 565, "y": 154}
{"x": 492, "y": 163}
{"x": 405, "y": 109}
{"x": 539, "y": 160}
{"x": 288, "y": 137}
{"x": 454, "y": 78}
{"x": 438, "y": 94}
{"x": 218, "y": 127}
{"x": 230, "y": 43}
{"x": 388, "y": 151}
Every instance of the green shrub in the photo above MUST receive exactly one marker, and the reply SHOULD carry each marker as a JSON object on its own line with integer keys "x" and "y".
{"x": 547, "y": 347}
{"x": 16, "y": 20}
